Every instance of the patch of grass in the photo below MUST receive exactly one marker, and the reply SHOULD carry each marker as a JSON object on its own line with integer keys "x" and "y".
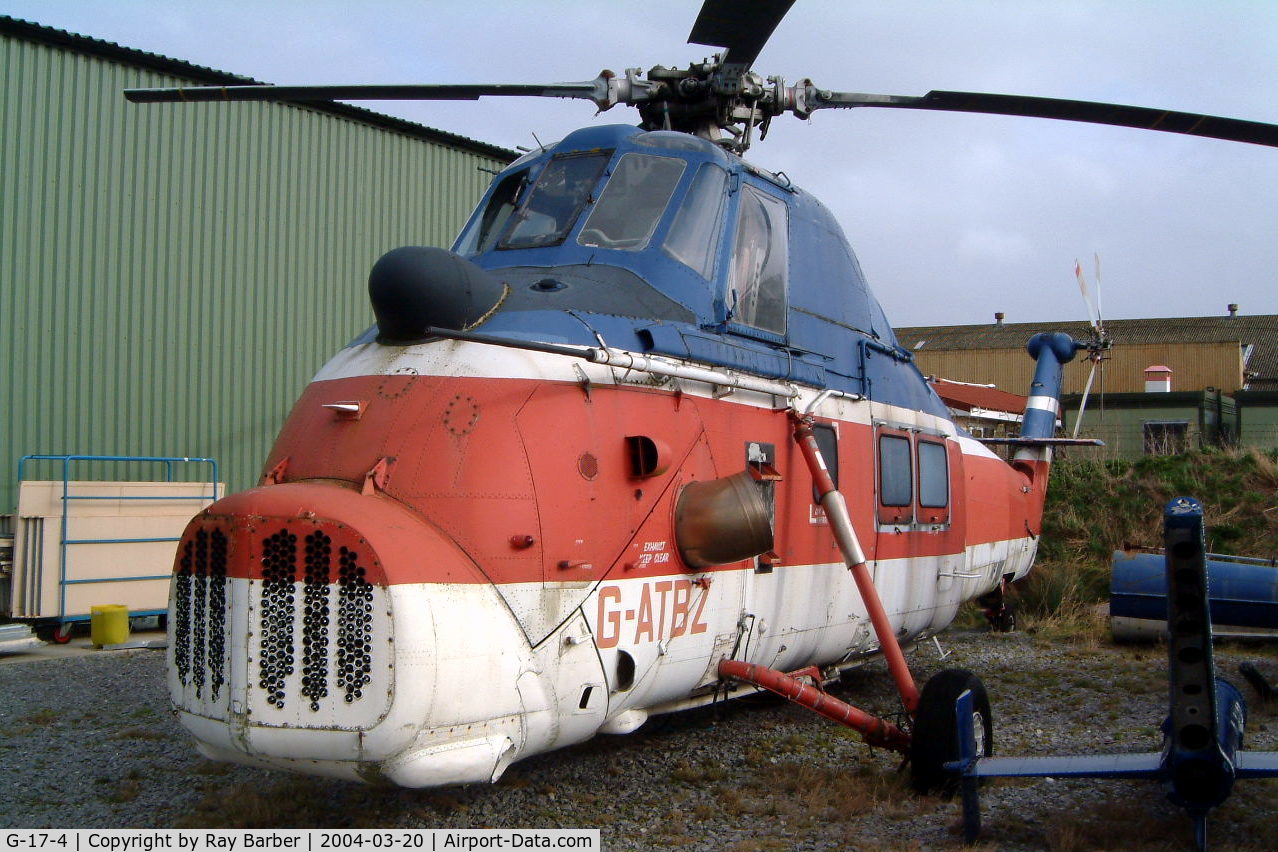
{"x": 1095, "y": 508}
{"x": 43, "y": 716}
{"x": 760, "y": 844}
{"x": 137, "y": 732}
{"x": 1121, "y": 822}
{"x": 212, "y": 768}
{"x": 125, "y": 791}
{"x": 290, "y": 802}
{"x": 807, "y": 795}
{"x": 688, "y": 773}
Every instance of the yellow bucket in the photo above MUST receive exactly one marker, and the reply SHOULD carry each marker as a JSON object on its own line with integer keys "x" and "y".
{"x": 108, "y": 624}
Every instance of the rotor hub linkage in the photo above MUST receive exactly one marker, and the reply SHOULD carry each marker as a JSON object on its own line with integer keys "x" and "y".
{"x": 707, "y": 97}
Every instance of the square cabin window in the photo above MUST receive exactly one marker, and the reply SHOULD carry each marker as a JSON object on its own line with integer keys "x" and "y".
{"x": 760, "y": 257}
{"x": 827, "y": 441}
{"x": 934, "y": 482}
{"x": 896, "y": 480}
{"x": 934, "y": 475}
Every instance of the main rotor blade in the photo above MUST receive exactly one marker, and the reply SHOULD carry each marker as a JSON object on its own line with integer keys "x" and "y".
{"x": 1144, "y": 118}
{"x": 468, "y": 92}
{"x": 742, "y": 26}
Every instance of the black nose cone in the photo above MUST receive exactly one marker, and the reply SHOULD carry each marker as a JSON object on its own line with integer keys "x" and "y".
{"x": 414, "y": 288}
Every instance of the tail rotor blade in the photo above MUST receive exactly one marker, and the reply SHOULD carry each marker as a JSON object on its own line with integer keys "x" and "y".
{"x": 1100, "y": 315}
{"x": 1093, "y": 312}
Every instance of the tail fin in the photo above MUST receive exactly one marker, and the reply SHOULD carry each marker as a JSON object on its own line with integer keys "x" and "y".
{"x": 1033, "y": 457}
{"x": 1052, "y": 351}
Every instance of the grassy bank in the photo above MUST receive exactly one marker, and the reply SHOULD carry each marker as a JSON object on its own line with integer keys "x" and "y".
{"x": 1097, "y": 507}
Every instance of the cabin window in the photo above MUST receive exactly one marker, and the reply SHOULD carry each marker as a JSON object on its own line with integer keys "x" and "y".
{"x": 896, "y": 479}
{"x": 557, "y": 198}
{"x": 934, "y": 482}
{"x": 694, "y": 236}
{"x": 632, "y": 202}
{"x": 827, "y": 441}
{"x": 484, "y": 231}
{"x": 759, "y": 259}
{"x": 934, "y": 475}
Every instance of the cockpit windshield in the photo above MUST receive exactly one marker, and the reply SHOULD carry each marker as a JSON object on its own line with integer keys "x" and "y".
{"x": 522, "y": 214}
{"x": 483, "y": 232}
{"x": 555, "y": 202}
{"x": 632, "y": 203}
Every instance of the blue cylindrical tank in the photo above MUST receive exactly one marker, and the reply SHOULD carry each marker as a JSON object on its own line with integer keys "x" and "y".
{"x": 1243, "y": 595}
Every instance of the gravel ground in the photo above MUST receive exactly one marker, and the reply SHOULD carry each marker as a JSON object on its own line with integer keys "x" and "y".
{"x": 88, "y": 742}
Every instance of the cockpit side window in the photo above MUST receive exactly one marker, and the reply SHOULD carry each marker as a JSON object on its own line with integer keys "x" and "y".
{"x": 485, "y": 230}
{"x": 757, "y": 294}
{"x": 556, "y": 200}
{"x": 694, "y": 236}
{"x": 632, "y": 202}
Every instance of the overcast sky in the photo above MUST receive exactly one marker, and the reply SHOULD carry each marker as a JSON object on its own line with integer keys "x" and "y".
{"x": 953, "y": 216}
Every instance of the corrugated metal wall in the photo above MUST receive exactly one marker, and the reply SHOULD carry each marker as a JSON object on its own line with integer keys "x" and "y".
{"x": 171, "y": 275}
{"x": 1196, "y": 366}
{"x": 1120, "y": 422}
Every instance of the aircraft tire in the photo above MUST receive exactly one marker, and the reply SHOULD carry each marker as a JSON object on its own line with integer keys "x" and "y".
{"x": 935, "y": 737}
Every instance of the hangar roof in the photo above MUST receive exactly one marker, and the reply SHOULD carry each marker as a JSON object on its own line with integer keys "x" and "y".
{"x": 1257, "y": 334}
{"x": 212, "y": 77}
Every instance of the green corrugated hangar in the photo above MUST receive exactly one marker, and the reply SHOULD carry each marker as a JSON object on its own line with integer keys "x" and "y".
{"x": 172, "y": 275}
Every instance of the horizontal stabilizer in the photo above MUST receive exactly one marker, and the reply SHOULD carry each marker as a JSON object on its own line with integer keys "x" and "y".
{"x": 1143, "y": 765}
{"x": 1256, "y": 764}
{"x": 1045, "y": 442}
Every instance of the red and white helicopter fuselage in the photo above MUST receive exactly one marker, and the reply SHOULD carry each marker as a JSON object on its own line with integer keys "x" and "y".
{"x": 643, "y": 434}
{"x": 464, "y": 555}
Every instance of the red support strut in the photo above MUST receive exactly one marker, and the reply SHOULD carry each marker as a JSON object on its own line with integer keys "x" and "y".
{"x": 876, "y": 731}
{"x": 836, "y": 511}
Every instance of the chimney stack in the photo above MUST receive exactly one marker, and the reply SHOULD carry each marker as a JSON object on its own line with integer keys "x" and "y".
{"x": 1233, "y": 309}
{"x": 1158, "y": 379}
{"x": 998, "y": 318}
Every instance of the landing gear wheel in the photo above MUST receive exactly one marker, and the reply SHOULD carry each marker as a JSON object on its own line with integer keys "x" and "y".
{"x": 997, "y": 611}
{"x": 935, "y": 737}
{"x": 1004, "y": 622}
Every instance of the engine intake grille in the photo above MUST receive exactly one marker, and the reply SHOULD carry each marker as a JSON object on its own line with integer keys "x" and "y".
{"x": 199, "y": 612}
{"x": 311, "y": 590}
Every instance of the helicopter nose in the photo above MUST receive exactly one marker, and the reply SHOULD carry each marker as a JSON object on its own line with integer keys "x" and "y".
{"x": 414, "y": 288}
{"x": 282, "y": 613}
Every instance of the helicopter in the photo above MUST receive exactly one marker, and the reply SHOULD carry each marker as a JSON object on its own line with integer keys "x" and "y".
{"x": 641, "y": 440}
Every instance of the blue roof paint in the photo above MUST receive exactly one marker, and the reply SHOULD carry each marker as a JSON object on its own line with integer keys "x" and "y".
{"x": 646, "y": 300}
